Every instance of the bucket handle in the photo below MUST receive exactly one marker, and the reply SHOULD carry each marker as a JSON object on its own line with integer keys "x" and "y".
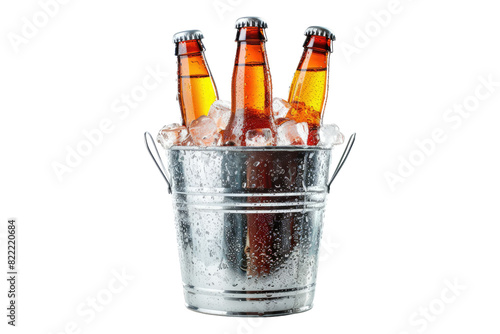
{"x": 158, "y": 161}
{"x": 342, "y": 160}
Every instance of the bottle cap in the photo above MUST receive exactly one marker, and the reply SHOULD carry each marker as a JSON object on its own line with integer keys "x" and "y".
{"x": 187, "y": 35}
{"x": 319, "y": 31}
{"x": 250, "y": 21}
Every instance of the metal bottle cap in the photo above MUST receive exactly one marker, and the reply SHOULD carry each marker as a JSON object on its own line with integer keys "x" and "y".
{"x": 187, "y": 35}
{"x": 250, "y": 21}
{"x": 319, "y": 31}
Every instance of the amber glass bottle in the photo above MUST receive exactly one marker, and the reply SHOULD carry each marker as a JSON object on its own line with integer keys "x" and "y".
{"x": 309, "y": 88}
{"x": 196, "y": 87}
{"x": 251, "y": 89}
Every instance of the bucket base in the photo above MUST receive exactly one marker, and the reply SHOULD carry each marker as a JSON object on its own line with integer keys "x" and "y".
{"x": 250, "y": 314}
{"x": 268, "y": 303}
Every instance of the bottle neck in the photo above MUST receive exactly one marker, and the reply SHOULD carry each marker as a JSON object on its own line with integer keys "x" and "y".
{"x": 251, "y": 34}
{"x": 189, "y": 47}
{"x": 316, "y": 53}
{"x": 251, "y": 46}
{"x": 318, "y": 43}
{"x": 191, "y": 59}
{"x": 249, "y": 53}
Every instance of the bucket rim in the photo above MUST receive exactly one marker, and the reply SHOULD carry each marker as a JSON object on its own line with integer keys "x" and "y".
{"x": 288, "y": 148}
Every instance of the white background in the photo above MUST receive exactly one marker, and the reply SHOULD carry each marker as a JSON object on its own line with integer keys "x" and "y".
{"x": 388, "y": 250}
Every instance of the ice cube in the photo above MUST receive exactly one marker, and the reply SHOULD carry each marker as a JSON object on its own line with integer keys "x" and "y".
{"x": 329, "y": 135}
{"x": 259, "y": 137}
{"x": 292, "y": 133}
{"x": 203, "y": 131}
{"x": 217, "y": 139}
{"x": 220, "y": 112}
{"x": 188, "y": 141}
{"x": 280, "y": 107}
{"x": 172, "y": 134}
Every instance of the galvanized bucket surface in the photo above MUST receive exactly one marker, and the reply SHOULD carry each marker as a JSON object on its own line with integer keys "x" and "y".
{"x": 249, "y": 223}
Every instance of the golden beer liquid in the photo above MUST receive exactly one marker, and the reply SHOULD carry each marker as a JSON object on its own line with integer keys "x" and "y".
{"x": 309, "y": 89}
{"x": 196, "y": 87}
{"x": 309, "y": 95}
{"x": 197, "y": 95}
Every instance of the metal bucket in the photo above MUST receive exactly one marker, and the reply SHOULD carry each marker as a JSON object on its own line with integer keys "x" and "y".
{"x": 249, "y": 223}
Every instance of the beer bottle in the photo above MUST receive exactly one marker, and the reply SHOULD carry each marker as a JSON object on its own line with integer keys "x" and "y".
{"x": 251, "y": 89}
{"x": 196, "y": 87}
{"x": 309, "y": 88}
